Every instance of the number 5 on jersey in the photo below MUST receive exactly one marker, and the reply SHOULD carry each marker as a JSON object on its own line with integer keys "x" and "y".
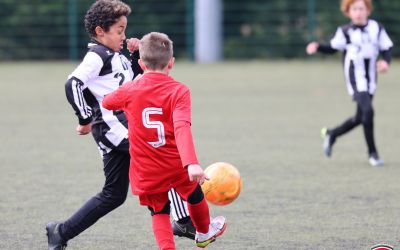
{"x": 154, "y": 124}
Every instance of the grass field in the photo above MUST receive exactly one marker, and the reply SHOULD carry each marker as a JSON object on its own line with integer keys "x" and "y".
{"x": 263, "y": 117}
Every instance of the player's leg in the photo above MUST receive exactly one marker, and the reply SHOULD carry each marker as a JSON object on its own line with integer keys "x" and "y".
{"x": 158, "y": 204}
{"x": 116, "y": 168}
{"x": 330, "y": 135}
{"x": 162, "y": 228}
{"x": 207, "y": 230}
{"x": 199, "y": 210}
{"x": 367, "y": 119}
{"x": 182, "y": 225}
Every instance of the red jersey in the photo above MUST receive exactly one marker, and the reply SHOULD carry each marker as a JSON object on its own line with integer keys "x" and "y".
{"x": 154, "y": 105}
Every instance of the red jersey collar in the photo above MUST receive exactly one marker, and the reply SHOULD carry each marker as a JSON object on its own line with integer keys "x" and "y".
{"x": 156, "y": 75}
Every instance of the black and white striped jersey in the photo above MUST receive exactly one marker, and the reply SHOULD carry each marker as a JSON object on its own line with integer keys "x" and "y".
{"x": 101, "y": 72}
{"x": 361, "y": 46}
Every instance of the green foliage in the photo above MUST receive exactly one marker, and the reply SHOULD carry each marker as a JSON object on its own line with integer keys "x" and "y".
{"x": 265, "y": 29}
{"x": 41, "y": 29}
{"x": 282, "y": 28}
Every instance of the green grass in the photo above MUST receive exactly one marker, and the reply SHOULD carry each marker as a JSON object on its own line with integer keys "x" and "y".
{"x": 263, "y": 117}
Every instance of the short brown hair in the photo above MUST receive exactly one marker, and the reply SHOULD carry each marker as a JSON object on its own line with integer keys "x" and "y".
{"x": 345, "y": 5}
{"x": 104, "y": 13}
{"x": 155, "y": 49}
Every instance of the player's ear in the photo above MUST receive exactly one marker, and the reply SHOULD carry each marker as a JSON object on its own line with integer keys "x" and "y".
{"x": 171, "y": 62}
{"x": 99, "y": 31}
{"x": 142, "y": 65}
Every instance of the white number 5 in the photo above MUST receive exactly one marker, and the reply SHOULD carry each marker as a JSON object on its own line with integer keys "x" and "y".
{"x": 154, "y": 124}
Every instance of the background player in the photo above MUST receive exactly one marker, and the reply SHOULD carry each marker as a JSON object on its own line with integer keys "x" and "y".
{"x": 361, "y": 42}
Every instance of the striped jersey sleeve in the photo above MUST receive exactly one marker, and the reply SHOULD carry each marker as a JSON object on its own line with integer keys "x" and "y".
{"x": 89, "y": 68}
{"x": 74, "y": 92}
{"x": 385, "y": 43}
{"x": 339, "y": 41}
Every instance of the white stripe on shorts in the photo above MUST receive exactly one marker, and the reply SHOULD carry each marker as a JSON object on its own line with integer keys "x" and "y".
{"x": 179, "y": 208}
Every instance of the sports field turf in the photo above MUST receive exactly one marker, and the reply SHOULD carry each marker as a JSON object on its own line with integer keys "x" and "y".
{"x": 263, "y": 117}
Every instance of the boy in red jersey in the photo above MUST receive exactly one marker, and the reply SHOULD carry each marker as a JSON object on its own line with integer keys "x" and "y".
{"x": 158, "y": 109}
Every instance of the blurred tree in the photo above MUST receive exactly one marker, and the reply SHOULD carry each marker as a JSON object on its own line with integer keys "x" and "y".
{"x": 279, "y": 28}
{"x": 39, "y": 29}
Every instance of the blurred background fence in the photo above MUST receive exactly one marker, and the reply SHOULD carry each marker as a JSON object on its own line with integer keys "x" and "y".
{"x": 48, "y": 29}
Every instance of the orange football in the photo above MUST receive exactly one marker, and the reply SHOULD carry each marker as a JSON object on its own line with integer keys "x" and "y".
{"x": 224, "y": 185}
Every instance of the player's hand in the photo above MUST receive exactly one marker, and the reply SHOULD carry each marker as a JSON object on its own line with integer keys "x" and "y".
{"x": 84, "y": 129}
{"x": 196, "y": 174}
{"x": 382, "y": 66}
{"x": 132, "y": 44}
{"x": 312, "y": 48}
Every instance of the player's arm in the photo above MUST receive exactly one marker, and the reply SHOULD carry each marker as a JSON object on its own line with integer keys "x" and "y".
{"x": 137, "y": 70}
{"x": 75, "y": 86}
{"x": 337, "y": 43}
{"x": 385, "y": 51}
{"x": 133, "y": 47}
{"x": 386, "y": 55}
{"x": 182, "y": 128}
{"x": 315, "y": 47}
{"x": 326, "y": 49}
{"x": 384, "y": 63}
{"x": 74, "y": 93}
{"x": 184, "y": 142}
{"x": 184, "y": 138}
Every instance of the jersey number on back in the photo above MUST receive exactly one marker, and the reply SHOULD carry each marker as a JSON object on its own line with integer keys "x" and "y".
{"x": 155, "y": 125}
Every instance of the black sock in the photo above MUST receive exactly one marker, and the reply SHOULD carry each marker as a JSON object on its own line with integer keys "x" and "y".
{"x": 184, "y": 220}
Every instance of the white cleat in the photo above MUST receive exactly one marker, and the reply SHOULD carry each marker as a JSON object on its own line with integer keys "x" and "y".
{"x": 216, "y": 229}
{"x": 375, "y": 161}
{"x": 326, "y": 145}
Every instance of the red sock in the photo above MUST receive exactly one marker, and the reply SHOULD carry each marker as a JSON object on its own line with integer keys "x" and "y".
{"x": 200, "y": 216}
{"x": 163, "y": 232}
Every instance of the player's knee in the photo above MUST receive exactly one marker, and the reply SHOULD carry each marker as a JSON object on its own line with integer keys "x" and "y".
{"x": 115, "y": 199}
{"x": 368, "y": 116}
{"x": 197, "y": 196}
{"x": 166, "y": 210}
{"x": 119, "y": 200}
{"x": 357, "y": 120}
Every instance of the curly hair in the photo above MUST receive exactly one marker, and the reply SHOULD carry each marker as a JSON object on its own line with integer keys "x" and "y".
{"x": 345, "y": 5}
{"x": 104, "y": 13}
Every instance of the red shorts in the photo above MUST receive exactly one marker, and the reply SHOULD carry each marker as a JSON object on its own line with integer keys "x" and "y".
{"x": 157, "y": 201}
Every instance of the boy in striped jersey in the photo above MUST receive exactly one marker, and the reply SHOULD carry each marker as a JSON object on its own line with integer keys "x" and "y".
{"x": 361, "y": 41}
{"x": 102, "y": 71}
